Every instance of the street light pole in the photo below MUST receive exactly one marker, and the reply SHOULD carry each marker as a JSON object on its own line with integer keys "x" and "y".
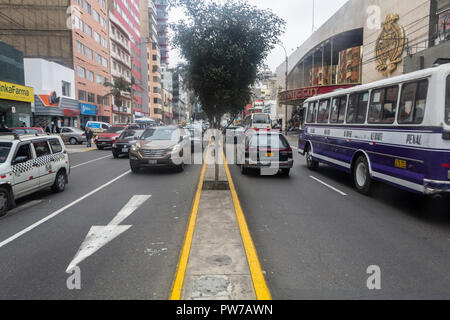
{"x": 286, "y": 85}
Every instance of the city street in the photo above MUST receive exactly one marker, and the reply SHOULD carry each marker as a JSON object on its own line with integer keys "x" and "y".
{"x": 138, "y": 264}
{"x": 315, "y": 242}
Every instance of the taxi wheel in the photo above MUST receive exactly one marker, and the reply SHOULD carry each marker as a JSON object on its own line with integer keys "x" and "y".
{"x": 60, "y": 182}
{"x": 4, "y": 201}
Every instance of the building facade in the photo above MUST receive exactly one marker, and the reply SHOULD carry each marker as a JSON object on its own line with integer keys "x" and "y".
{"x": 350, "y": 49}
{"x": 162, "y": 28}
{"x": 15, "y": 98}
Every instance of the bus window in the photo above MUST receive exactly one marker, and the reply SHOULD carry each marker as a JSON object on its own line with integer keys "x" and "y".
{"x": 412, "y": 103}
{"x": 338, "y": 110}
{"x": 311, "y": 117}
{"x": 383, "y": 105}
{"x": 357, "y": 107}
{"x": 324, "y": 111}
{"x": 447, "y": 102}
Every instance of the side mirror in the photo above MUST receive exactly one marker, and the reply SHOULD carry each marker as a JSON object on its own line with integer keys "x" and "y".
{"x": 18, "y": 160}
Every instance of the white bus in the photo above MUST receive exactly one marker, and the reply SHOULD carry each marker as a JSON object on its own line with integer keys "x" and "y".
{"x": 395, "y": 130}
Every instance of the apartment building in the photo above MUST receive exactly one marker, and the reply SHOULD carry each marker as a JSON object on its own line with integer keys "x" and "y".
{"x": 162, "y": 28}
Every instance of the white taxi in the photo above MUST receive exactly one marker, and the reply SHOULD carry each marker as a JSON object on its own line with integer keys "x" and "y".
{"x": 29, "y": 163}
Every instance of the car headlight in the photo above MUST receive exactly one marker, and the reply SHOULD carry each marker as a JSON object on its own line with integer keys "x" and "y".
{"x": 114, "y": 145}
{"x": 134, "y": 148}
{"x": 176, "y": 148}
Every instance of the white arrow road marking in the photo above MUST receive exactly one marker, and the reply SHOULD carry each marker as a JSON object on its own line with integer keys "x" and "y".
{"x": 98, "y": 236}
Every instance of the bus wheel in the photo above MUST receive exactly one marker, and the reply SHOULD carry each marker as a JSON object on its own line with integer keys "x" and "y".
{"x": 310, "y": 162}
{"x": 361, "y": 175}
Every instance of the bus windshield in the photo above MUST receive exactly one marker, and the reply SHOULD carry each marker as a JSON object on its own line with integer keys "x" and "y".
{"x": 261, "y": 119}
{"x": 447, "y": 102}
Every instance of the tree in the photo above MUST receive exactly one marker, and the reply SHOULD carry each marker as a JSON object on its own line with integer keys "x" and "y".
{"x": 118, "y": 87}
{"x": 224, "y": 46}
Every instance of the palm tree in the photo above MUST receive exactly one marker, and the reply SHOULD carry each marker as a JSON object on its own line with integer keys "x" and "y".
{"x": 118, "y": 87}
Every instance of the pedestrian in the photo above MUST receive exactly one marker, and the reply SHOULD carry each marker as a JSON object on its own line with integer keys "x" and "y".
{"x": 89, "y": 135}
{"x": 24, "y": 124}
{"x": 4, "y": 128}
{"x": 48, "y": 130}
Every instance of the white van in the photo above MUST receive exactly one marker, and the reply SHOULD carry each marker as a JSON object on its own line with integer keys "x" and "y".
{"x": 98, "y": 126}
{"x": 258, "y": 121}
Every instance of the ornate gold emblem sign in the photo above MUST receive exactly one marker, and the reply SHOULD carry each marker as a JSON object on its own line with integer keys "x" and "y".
{"x": 390, "y": 45}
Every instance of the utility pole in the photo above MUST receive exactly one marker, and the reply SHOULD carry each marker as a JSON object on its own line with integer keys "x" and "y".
{"x": 286, "y": 85}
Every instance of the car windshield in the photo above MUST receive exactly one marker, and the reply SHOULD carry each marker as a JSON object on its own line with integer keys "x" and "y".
{"x": 130, "y": 134}
{"x": 447, "y": 102}
{"x": 114, "y": 130}
{"x": 160, "y": 134}
{"x": 5, "y": 148}
{"x": 261, "y": 119}
{"x": 268, "y": 141}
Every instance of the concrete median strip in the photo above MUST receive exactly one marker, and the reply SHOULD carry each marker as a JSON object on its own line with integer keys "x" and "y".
{"x": 218, "y": 260}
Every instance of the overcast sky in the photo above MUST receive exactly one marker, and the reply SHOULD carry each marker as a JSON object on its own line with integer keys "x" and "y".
{"x": 298, "y": 17}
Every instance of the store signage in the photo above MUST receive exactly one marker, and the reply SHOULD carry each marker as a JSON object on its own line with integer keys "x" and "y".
{"x": 88, "y": 109}
{"x": 16, "y": 92}
{"x": 390, "y": 45}
{"x": 305, "y": 93}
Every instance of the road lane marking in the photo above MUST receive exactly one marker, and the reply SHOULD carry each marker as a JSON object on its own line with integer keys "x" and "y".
{"x": 259, "y": 282}
{"x": 177, "y": 286}
{"x": 82, "y": 164}
{"x": 329, "y": 186}
{"x": 57, "y": 212}
{"x": 99, "y": 236}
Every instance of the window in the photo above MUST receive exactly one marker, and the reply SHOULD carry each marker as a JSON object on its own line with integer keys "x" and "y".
{"x": 81, "y": 72}
{"x": 98, "y": 58}
{"x": 412, "y": 103}
{"x": 103, "y": 42}
{"x": 154, "y": 57}
{"x": 104, "y": 62}
{"x": 96, "y": 16}
{"x": 41, "y": 148}
{"x": 383, "y": 105}
{"x": 324, "y": 111}
{"x": 87, "y": 6}
{"x": 311, "y": 116}
{"x": 97, "y": 37}
{"x": 99, "y": 99}
{"x": 106, "y": 100}
{"x": 66, "y": 130}
{"x": 99, "y": 79}
{"x": 338, "y": 109}
{"x": 65, "y": 86}
{"x": 91, "y": 97}
{"x": 24, "y": 151}
{"x": 103, "y": 22}
{"x": 90, "y": 76}
{"x": 80, "y": 47}
{"x": 88, "y": 53}
{"x": 55, "y": 145}
{"x": 87, "y": 30}
{"x": 447, "y": 102}
{"x": 357, "y": 107}
{"x": 81, "y": 95}
{"x": 78, "y": 23}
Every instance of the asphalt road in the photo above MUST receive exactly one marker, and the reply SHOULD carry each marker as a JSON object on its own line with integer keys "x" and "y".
{"x": 315, "y": 242}
{"x": 139, "y": 264}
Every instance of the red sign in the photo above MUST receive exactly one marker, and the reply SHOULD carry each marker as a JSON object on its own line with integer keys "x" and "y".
{"x": 305, "y": 93}
{"x": 71, "y": 113}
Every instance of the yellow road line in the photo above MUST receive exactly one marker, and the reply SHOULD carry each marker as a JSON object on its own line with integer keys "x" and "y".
{"x": 259, "y": 283}
{"x": 184, "y": 256}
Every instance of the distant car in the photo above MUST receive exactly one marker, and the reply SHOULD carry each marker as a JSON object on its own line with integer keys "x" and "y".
{"x": 98, "y": 126}
{"x": 107, "y": 138}
{"x": 159, "y": 147}
{"x": 73, "y": 135}
{"x": 266, "y": 150}
{"x": 28, "y": 130}
{"x": 125, "y": 141}
{"x": 234, "y": 134}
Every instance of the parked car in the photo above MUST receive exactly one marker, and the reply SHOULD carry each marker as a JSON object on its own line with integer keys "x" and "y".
{"x": 107, "y": 138}
{"x": 73, "y": 135}
{"x": 29, "y": 163}
{"x": 266, "y": 150}
{"x": 125, "y": 141}
{"x": 160, "y": 147}
{"x": 28, "y": 130}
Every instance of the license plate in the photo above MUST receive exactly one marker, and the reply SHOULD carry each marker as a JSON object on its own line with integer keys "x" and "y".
{"x": 269, "y": 154}
{"x": 125, "y": 150}
{"x": 152, "y": 161}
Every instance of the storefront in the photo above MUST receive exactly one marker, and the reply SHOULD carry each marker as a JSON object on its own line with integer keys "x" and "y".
{"x": 60, "y": 112}
{"x": 89, "y": 112}
{"x": 15, "y": 104}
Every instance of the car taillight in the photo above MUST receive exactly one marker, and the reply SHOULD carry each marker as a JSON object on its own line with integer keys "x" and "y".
{"x": 286, "y": 152}
{"x": 83, "y": 134}
{"x": 446, "y": 135}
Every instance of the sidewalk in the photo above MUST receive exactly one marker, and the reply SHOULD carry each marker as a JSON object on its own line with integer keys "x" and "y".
{"x": 217, "y": 267}
{"x": 71, "y": 149}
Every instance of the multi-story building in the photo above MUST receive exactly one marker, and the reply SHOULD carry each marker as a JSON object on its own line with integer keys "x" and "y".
{"x": 162, "y": 27}
{"x": 120, "y": 51}
{"x": 179, "y": 97}
{"x": 91, "y": 59}
{"x": 42, "y": 29}
{"x": 153, "y": 61}
{"x": 127, "y": 13}
{"x": 167, "y": 98}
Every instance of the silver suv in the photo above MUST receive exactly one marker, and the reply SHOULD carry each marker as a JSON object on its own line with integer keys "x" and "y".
{"x": 29, "y": 163}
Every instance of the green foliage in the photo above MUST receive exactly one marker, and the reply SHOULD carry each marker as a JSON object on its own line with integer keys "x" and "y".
{"x": 118, "y": 87}
{"x": 224, "y": 46}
